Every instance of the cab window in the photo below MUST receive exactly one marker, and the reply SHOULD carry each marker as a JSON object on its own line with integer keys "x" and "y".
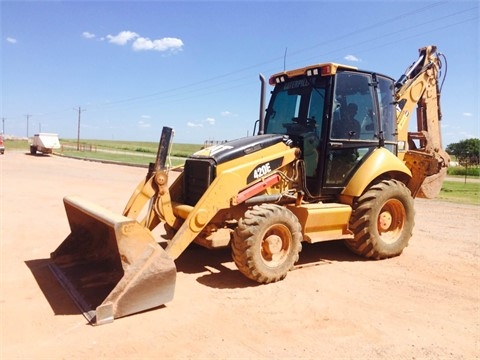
{"x": 354, "y": 115}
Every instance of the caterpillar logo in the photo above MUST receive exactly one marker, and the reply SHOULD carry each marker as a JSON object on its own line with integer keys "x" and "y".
{"x": 264, "y": 169}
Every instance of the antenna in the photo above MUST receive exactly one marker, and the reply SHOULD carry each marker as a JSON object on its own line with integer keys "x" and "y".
{"x": 285, "y": 59}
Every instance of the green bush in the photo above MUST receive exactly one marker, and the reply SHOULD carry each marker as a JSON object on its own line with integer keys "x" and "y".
{"x": 143, "y": 150}
{"x": 460, "y": 170}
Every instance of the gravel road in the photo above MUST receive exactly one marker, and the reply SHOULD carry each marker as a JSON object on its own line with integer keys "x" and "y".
{"x": 423, "y": 304}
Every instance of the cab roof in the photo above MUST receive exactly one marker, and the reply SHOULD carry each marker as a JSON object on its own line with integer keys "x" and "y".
{"x": 323, "y": 69}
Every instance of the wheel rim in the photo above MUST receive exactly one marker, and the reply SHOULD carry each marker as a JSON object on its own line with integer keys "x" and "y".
{"x": 275, "y": 245}
{"x": 391, "y": 221}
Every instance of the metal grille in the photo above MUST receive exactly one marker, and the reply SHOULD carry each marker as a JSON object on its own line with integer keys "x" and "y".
{"x": 198, "y": 175}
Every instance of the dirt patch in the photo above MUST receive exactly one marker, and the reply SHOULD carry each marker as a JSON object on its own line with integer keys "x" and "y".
{"x": 423, "y": 304}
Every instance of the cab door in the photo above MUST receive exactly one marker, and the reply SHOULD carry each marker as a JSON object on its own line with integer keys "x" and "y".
{"x": 354, "y": 128}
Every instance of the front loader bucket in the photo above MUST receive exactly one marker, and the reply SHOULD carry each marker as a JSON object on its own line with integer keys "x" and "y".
{"x": 110, "y": 264}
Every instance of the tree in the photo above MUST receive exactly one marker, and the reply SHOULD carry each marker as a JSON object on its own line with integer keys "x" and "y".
{"x": 467, "y": 153}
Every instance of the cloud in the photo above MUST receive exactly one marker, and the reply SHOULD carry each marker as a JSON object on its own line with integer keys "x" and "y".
{"x": 228, "y": 114}
{"x": 143, "y": 124}
{"x": 467, "y": 114}
{"x": 210, "y": 120}
{"x": 122, "y": 37}
{"x": 467, "y": 135}
{"x": 141, "y": 43}
{"x": 352, "y": 58}
{"x": 165, "y": 44}
{"x": 88, "y": 35}
{"x": 11, "y": 40}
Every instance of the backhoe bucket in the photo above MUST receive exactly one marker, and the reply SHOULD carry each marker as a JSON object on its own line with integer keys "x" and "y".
{"x": 110, "y": 264}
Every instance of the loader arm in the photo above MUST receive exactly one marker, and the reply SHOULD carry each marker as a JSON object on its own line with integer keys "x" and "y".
{"x": 110, "y": 264}
{"x": 153, "y": 190}
{"x": 231, "y": 180}
{"x": 422, "y": 150}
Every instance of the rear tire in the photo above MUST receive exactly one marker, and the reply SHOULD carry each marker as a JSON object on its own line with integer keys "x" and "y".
{"x": 266, "y": 243}
{"x": 382, "y": 220}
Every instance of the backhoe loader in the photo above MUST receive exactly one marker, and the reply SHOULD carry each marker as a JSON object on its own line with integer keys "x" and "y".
{"x": 332, "y": 159}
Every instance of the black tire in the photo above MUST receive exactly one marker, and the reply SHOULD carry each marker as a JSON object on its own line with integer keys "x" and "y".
{"x": 33, "y": 150}
{"x": 382, "y": 220}
{"x": 266, "y": 243}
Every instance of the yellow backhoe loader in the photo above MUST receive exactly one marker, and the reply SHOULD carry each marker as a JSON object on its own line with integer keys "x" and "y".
{"x": 333, "y": 158}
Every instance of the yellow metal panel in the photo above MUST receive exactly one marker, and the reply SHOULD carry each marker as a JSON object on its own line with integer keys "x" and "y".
{"x": 380, "y": 162}
{"x": 230, "y": 179}
{"x": 322, "y": 222}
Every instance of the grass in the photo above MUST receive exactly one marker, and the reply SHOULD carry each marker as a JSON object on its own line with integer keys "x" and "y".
{"x": 131, "y": 152}
{"x": 178, "y": 150}
{"x": 142, "y": 153}
{"x": 461, "y": 171}
{"x": 16, "y": 145}
{"x": 137, "y": 153}
{"x": 460, "y": 192}
{"x": 111, "y": 157}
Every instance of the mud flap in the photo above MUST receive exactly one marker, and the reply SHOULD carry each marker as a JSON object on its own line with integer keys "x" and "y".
{"x": 110, "y": 265}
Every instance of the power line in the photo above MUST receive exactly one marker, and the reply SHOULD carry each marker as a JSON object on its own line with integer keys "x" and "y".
{"x": 169, "y": 93}
{"x": 184, "y": 92}
{"x": 405, "y": 35}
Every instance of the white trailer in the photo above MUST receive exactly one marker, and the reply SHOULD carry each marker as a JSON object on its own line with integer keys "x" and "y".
{"x": 44, "y": 143}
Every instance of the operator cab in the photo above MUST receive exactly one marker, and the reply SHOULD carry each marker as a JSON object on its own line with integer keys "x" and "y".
{"x": 337, "y": 115}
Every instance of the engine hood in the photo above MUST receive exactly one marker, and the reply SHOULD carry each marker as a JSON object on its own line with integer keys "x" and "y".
{"x": 240, "y": 147}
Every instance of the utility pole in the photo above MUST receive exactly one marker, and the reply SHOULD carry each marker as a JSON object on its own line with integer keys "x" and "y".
{"x": 28, "y": 118}
{"x": 3, "y": 125}
{"x": 78, "y": 126}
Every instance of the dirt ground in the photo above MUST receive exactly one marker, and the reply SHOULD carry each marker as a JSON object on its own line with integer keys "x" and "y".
{"x": 423, "y": 304}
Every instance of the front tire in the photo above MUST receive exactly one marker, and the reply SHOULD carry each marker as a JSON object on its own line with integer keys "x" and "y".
{"x": 382, "y": 220}
{"x": 266, "y": 243}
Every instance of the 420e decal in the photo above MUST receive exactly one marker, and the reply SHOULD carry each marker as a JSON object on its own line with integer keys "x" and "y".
{"x": 263, "y": 169}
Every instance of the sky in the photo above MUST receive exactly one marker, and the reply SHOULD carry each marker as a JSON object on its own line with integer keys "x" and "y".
{"x": 128, "y": 68}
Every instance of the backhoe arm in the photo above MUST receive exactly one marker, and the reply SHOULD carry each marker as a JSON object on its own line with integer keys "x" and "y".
{"x": 422, "y": 150}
